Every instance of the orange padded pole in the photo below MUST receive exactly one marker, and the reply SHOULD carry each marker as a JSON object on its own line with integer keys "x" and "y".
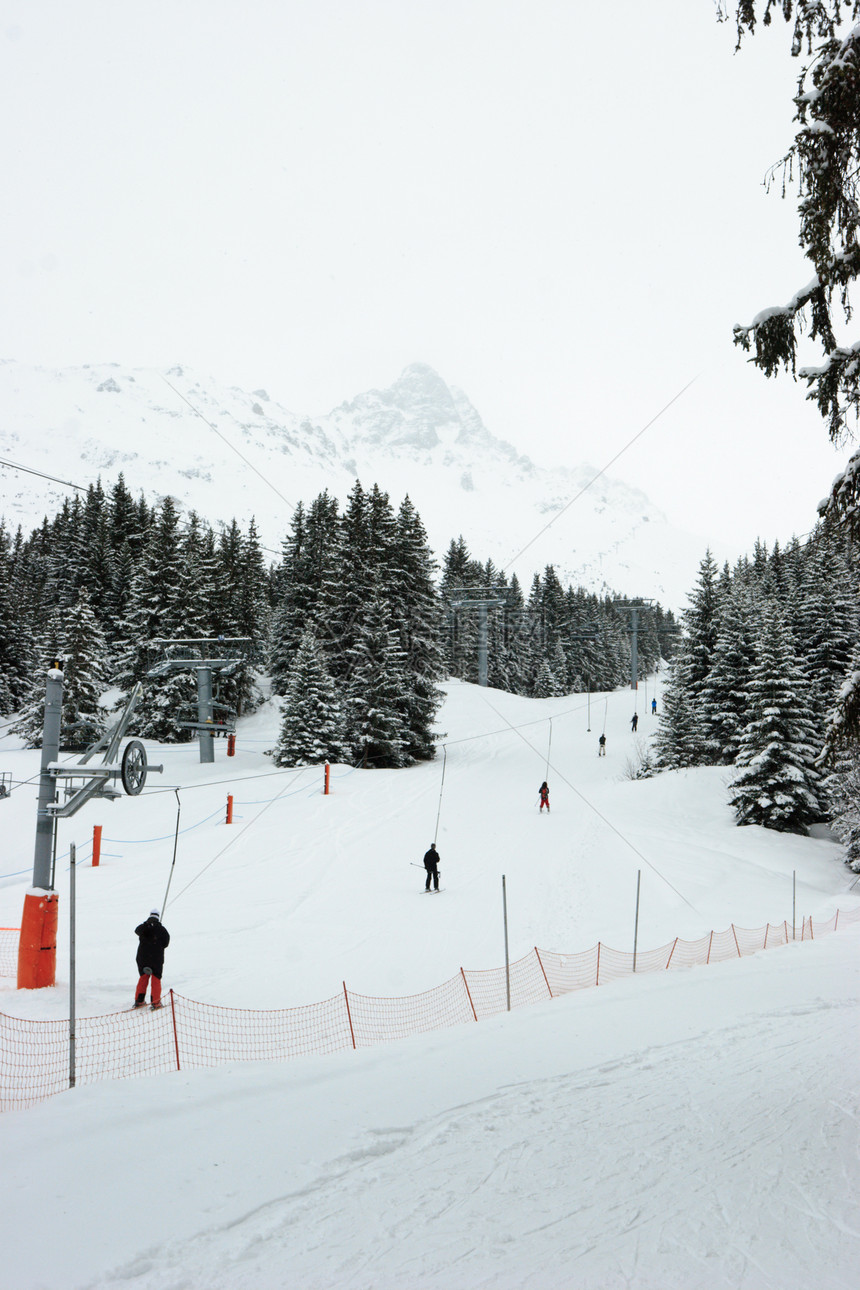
{"x": 97, "y": 844}
{"x": 229, "y": 819}
{"x": 327, "y": 771}
{"x": 37, "y": 945}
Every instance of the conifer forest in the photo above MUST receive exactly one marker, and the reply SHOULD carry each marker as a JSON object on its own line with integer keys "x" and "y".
{"x": 354, "y": 625}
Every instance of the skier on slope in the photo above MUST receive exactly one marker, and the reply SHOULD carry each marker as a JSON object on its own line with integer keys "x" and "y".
{"x": 544, "y": 796}
{"x": 634, "y": 722}
{"x": 653, "y": 707}
{"x": 153, "y": 941}
{"x": 431, "y": 864}
{"x": 601, "y": 751}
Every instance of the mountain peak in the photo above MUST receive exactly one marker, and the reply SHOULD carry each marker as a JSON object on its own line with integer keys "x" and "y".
{"x": 419, "y": 410}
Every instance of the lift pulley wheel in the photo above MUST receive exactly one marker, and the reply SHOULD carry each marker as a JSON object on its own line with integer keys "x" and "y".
{"x": 134, "y": 768}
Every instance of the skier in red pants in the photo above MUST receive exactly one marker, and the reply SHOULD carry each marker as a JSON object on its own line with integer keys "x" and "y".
{"x": 544, "y": 796}
{"x": 154, "y": 940}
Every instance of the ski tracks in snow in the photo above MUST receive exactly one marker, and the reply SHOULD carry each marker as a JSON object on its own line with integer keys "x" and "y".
{"x": 668, "y": 1168}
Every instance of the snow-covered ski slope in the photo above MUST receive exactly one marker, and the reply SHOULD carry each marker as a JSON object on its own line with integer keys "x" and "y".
{"x": 690, "y": 1129}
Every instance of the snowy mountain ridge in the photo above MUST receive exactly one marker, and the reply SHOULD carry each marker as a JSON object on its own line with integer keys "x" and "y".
{"x": 227, "y": 452}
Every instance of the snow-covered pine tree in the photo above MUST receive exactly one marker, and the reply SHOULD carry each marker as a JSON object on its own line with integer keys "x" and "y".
{"x": 128, "y": 525}
{"x": 516, "y": 645}
{"x": 724, "y": 703}
{"x": 312, "y": 725}
{"x": 290, "y": 615}
{"x": 376, "y": 707}
{"x": 308, "y": 553}
{"x": 48, "y": 654}
{"x": 684, "y": 701}
{"x": 778, "y": 784}
{"x": 417, "y": 618}
{"x": 75, "y": 640}
{"x": 680, "y": 740}
{"x": 61, "y": 560}
{"x": 247, "y": 616}
{"x": 826, "y": 614}
{"x": 349, "y": 584}
{"x": 701, "y": 624}
{"x": 842, "y": 789}
{"x": 93, "y": 568}
{"x": 459, "y": 570}
{"x": 16, "y": 648}
{"x": 84, "y": 675}
{"x": 545, "y": 685}
{"x": 157, "y": 609}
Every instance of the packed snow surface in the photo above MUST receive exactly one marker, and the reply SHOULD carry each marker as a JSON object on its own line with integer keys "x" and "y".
{"x": 687, "y": 1129}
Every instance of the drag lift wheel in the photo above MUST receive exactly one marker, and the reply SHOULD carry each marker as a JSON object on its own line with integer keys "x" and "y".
{"x": 133, "y": 769}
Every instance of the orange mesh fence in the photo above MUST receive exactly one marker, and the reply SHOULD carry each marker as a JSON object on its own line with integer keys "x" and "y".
{"x": 489, "y": 992}
{"x": 749, "y": 942}
{"x": 685, "y": 954}
{"x": 208, "y": 1035}
{"x": 186, "y": 1034}
{"x": 34, "y": 1055}
{"x": 567, "y": 972}
{"x": 374, "y": 1021}
{"x": 9, "y": 951}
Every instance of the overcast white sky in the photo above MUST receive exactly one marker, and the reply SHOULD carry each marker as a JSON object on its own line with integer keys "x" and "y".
{"x": 557, "y": 204}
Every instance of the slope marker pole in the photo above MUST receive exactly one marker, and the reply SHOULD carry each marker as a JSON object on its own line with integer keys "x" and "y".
{"x": 636, "y": 921}
{"x": 507, "y": 957}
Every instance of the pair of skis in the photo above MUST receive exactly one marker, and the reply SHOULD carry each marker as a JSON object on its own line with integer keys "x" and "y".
{"x": 427, "y": 889}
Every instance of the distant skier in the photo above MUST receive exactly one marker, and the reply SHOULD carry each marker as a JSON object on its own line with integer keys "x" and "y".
{"x": 431, "y": 864}
{"x": 634, "y": 722}
{"x": 154, "y": 940}
{"x": 653, "y": 707}
{"x": 544, "y": 796}
{"x": 601, "y": 751}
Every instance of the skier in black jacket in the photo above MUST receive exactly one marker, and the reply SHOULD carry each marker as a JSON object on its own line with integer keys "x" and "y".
{"x": 431, "y": 864}
{"x": 154, "y": 940}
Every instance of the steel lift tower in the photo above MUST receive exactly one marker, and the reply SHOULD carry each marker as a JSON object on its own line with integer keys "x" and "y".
{"x": 37, "y": 945}
{"x": 207, "y": 657}
{"x": 483, "y": 599}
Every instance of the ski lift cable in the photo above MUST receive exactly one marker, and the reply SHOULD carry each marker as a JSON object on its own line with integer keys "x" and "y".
{"x": 225, "y": 440}
{"x": 233, "y": 840}
{"x": 28, "y": 470}
{"x": 538, "y": 721}
{"x": 216, "y": 783}
{"x": 603, "y": 471}
{"x": 601, "y": 816}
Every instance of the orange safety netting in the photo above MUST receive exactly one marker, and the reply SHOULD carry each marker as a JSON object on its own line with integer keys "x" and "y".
{"x": 9, "y": 950}
{"x": 185, "y": 1034}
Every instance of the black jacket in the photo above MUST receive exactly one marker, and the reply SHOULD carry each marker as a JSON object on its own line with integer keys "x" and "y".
{"x": 154, "y": 940}
{"x": 431, "y": 859}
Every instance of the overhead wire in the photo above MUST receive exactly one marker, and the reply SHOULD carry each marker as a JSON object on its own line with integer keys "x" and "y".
{"x": 226, "y": 441}
{"x": 28, "y": 470}
{"x": 234, "y": 839}
{"x": 603, "y": 471}
{"x": 600, "y": 814}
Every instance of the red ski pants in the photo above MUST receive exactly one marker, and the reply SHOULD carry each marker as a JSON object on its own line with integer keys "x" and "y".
{"x": 154, "y": 982}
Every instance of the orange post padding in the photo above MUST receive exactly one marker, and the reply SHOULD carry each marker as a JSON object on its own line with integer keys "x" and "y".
{"x": 37, "y": 945}
{"x": 327, "y": 772}
{"x": 231, "y": 745}
{"x": 229, "y": 819}
{"x": 97, "y": 844}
